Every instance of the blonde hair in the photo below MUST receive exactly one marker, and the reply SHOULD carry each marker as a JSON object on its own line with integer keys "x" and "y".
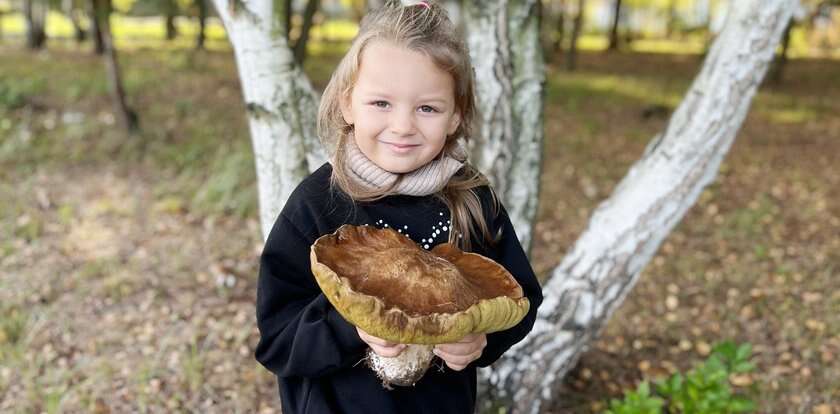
{"x": 424, "y": 27}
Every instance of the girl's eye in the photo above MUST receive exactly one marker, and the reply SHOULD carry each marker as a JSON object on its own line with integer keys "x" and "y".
{"x": 427, "y": 109}
{"x": 380, "y": 104}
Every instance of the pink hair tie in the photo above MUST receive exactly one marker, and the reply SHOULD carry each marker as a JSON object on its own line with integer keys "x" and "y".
{"x": 424, "y": 4}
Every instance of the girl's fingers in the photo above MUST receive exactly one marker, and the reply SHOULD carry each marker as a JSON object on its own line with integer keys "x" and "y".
{"x": 457, "y": 362}
{"x": 460, "y": 354}
{"x": 372, "y": 340}
{"x": 387, "y": 351}
{"x": 457, "y": 349}
{"x": 466, "y": 346}
{"x": 380, "y": 346}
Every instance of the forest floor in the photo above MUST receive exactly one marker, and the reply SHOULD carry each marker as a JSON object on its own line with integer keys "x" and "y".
{"x": 128, "y": 263}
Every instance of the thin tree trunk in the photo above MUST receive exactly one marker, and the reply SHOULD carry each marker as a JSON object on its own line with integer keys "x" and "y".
{"x": 613, "y": 45}
{"x": 280, "y": 102}
{"x": 503, "y": 37}
{"x": 672, "y": 19}
{"x": 626, "y": 230}
{"x": 778, "y": 67}
{"x": 571, "y": 55}
{"x": 303, "y": 39}
{"x": 202, "y": 23}
{"x": 35, "y": 14}
{"x": 96, "y": 28}
{"x": 171, "y": 9}
{"x": 127, "y": 117}
{"x": 287, "y": 12}
{"x": 559, "y": 33}
{"x": 79, "y": 34}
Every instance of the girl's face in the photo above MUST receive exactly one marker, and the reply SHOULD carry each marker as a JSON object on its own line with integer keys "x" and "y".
{"x": 402, "y": 107}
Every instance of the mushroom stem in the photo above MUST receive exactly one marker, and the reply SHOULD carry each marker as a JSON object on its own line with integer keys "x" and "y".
{"x": 404, "y": 369}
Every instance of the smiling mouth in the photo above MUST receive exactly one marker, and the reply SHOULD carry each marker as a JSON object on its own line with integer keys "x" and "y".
{"x": 401, "y": 147}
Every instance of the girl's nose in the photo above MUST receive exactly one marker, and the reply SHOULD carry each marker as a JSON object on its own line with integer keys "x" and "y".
{"x": 402, "y": 122}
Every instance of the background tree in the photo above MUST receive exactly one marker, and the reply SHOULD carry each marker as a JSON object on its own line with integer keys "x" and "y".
{"x": 306, "y": 25}
{"x": 35, "y": 12}
{"x": 279, "y": 100}
{"x": 96, "y": 27}
{"x": 577, "y": 28}
{"x": 201, "y": 11}
{"x": 2, "y": 12}
{"x": 626, "y": 230}
{"x": 503, "y": 38}
{"x": 71, "y": 9}
{"x": 554, "y": 28}
{"x": 170, "y": 11}
{"x": 778, "y": 66}
{"x": 616, "y": 18}
{"x": 126, "y": 116}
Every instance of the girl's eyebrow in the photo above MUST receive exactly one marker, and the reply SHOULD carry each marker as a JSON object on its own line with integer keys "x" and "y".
{"x": 377, "y": 94}
{"x": 435, "y": 98}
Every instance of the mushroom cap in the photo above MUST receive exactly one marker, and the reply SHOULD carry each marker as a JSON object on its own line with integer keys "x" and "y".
{"x": 384, "y": 283}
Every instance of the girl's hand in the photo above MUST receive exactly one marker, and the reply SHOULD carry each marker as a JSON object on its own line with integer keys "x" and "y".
{"x": 380, "y": 346}
{"x": 459, "y": 354}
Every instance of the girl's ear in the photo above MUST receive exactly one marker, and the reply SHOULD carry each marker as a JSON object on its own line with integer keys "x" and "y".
{"x": 346, "y": 109}
{"x": 454, "y": 123}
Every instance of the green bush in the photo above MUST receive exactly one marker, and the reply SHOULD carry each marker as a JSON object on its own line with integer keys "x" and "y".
{"x": 703, "y": 390}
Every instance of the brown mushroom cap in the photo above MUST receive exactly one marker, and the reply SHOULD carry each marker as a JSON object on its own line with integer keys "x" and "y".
{"x": 384, "y": 283}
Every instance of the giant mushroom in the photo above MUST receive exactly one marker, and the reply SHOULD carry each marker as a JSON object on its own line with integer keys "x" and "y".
{"x": 384, "y": 283}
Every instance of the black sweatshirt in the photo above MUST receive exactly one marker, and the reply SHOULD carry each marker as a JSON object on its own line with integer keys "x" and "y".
{"x": 315, "y": 353}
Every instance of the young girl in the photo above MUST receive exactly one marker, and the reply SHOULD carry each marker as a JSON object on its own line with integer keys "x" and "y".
{"x": 394, "y": 115}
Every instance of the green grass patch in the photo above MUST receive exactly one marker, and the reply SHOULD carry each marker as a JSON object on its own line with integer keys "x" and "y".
{"x": 12, "y": 325}
{"x": 14, "y": 92}
{"x": 570, "y": 89}
{"x": 749, "y": 222}
{"x": 705, "y": 389}
{"x": 229, "y": 186}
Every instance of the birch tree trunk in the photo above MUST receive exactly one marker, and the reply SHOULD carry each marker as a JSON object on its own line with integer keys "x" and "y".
{"x": 503, "y": 37}
{"x": 126, "y": 116}
{"x": 625, "y": 231}
{"x": 279, "y": 100}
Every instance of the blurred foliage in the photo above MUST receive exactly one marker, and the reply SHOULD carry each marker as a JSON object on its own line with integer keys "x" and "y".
{"x": 692, "y": 21}
{"x": 703, "y": 390}
{"x": 15, "y": 91}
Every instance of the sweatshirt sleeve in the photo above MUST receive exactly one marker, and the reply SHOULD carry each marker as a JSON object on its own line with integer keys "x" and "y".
{"x": 509, "y": 253}
{"x": 301, "y": 334}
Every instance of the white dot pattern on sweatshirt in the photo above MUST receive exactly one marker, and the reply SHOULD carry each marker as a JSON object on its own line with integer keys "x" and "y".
{"x": 425, "y": 242}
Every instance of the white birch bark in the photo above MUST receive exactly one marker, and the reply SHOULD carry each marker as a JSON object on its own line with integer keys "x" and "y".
{"x": 625, "y": 231}
{"x": 279, "y": 99}
{"x": 503, "y": 37}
